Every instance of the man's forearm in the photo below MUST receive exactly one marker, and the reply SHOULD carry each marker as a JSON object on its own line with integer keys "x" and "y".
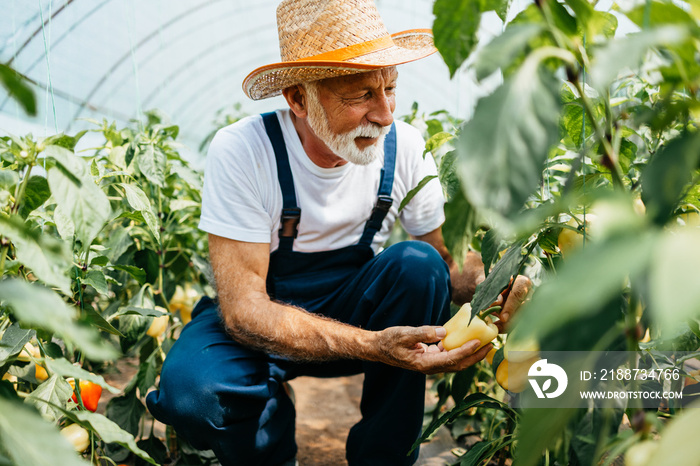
{"x": 464, "y": 282}
{"x": 289, "y": 331}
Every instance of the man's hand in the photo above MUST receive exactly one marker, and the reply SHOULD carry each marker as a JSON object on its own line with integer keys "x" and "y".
{"x": 415, "y": 348}
{"x": 514, "y": 296}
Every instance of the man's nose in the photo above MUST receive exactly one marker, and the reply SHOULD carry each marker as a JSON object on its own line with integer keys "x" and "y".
{"x": 382, "y": 110}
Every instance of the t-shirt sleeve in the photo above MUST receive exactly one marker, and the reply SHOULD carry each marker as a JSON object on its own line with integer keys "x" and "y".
{"x": 232, "y": 198}
{"x": 425, "y": 212}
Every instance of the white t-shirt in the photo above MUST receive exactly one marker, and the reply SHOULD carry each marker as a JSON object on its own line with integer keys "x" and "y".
{"x": 242, "y": 198}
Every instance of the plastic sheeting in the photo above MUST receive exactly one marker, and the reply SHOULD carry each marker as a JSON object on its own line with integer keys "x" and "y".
{"x": 114, "y": 59}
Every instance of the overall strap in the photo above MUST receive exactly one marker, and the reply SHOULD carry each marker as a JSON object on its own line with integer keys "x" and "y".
{"x": 386, "y": 182}
{"x": 291, "y": 213}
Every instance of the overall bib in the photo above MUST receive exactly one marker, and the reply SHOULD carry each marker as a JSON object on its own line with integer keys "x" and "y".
{"x": 221, "y": 395}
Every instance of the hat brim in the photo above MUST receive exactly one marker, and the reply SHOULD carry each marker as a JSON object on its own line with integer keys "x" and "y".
{"x": 269, "y": 80}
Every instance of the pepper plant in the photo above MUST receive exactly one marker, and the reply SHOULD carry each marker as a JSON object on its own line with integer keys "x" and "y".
{"x": 595, "y": 133}
{"x": 94, "y": 245}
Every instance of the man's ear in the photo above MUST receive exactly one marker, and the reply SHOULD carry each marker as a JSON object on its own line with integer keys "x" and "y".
{"x": 296, "y": 99}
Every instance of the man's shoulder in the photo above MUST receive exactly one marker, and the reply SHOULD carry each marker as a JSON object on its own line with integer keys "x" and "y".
{"x": 243, "y": 128}
{"x": 246, "y": 136}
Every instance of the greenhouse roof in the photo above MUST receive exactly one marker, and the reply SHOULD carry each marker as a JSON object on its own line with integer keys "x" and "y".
{"x": 114, "y": 59}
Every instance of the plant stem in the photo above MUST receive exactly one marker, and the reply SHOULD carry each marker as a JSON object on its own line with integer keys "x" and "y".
{"x": 21, "y": 190}
{"x": 3, "y": 255}
{"x": 19, "y": 193}
{"x": 609, "y": 158}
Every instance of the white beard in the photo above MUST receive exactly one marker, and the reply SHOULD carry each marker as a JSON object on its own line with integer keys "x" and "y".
{"x": 343, "y": 145}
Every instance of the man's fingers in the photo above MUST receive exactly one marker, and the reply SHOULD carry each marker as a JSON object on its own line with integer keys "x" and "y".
{"x": 518, "y": 294}
{"x": 429, "y": 334}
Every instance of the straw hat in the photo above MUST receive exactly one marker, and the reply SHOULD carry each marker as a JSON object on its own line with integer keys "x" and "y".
{"x": 326, "y": 38}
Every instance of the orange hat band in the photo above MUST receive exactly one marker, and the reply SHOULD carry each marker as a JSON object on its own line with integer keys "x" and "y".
{"x": 353, "y": 51}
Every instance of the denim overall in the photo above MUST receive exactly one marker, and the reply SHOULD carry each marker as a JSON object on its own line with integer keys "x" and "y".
{"x": 221, "y": 395}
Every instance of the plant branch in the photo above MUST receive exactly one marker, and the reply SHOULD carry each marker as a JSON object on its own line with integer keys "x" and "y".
{"x": 609, "y": 158}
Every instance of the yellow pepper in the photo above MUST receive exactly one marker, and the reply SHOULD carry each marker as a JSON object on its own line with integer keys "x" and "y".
{"x": 512, "y": 376}
{"x": 159, "y": 324}
{"x": 461, "y": 330}
{"x": 77, "y": 436}
{"x": 639, "y": 453}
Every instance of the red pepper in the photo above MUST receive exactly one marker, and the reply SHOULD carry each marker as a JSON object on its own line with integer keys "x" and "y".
{"x": 89, "y": 392}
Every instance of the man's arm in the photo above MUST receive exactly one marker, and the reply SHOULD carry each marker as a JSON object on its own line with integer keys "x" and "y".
{"x": 464, "y": 282}
{"x": 253, "y": 319}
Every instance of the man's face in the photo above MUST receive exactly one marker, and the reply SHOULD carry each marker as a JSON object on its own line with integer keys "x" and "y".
{"x": 352, "y": 114}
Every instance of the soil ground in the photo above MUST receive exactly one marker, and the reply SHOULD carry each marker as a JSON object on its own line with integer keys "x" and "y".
{"x": 328, "y": 408}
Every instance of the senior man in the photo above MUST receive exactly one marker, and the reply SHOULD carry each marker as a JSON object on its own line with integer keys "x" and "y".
{"x": 297, "y": 204}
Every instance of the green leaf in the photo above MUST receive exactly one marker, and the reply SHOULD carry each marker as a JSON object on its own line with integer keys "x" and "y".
{"x": 146, "y": 376}
{"x": 147, "y": 259}
{"x": 38, "y": 307}
{"x": 628, "y": 52}
{"x": 18, "y": 89}
{"x": 111, "y": 432}
{"x": 454, "y": 30}
{"x": 138, "y": 200}
{"x": 677, "y": 444}
{"x": 86, "y": 205}
{"x": 137, "y": 273}
{"x": 95, "y": 318}
{"x": 155, "y": 449}
{"x": 503, "y": 50}
{"x": 460, "y": 226}
{"x": 436, "y": 141}
{"x": 126, "y": 411}
{"x": 64, "y": 224}
{"x": 475, "y": 399}
{"x": 190, "y": 176}
{"x": 8, "y": 178}
{"x": 96, "y": 279}
{"x": 660, "y": 13}
{"x": 491, "y": 245}
{"x": 182, "y": 204}
{"x": 674, "y": 279}
{"x": 118, "y": 243}
{"x": 498, "y": 280}
{"x": 64, "y": 368}
{"x": 668, "y": 174}
{"x": 13, "y": 340}
{"x": 448, "y": 176}
{"x": 65, "y": 141}
{"x": 36, "y": 193}
{"x": 412, "y": 193}
{"x": 585, "y": 283}
{"x": 139, "y": 311}
{"x": 48, "y": 258}
{"x": 476, "y": 453}
{"x": 502, "y": 149}
{"x": 462, "y": 383}
{"x": 99, "y": 261}
{"x": 54, "y": 391}
{"x": 21, "y": 426}
{"x": 562, "y": 19}
{"x": 571, "y": 124}
{"x": 588, "y": 430}
{"x": 133, "y": 326}
{"x": 151, "y": 164}
{"x": 538, "y": 429}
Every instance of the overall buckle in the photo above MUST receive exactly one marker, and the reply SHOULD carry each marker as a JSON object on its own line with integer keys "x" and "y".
{"x": 379, "y": 212}
{"x": 289, "y": 222}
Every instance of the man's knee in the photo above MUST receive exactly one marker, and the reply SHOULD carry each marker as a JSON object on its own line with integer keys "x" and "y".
{"x": 186, "y": 402}
{"x": 417, "y": 265}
